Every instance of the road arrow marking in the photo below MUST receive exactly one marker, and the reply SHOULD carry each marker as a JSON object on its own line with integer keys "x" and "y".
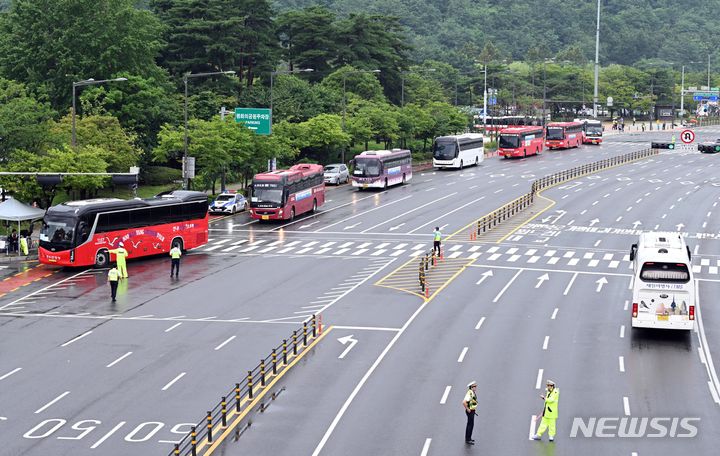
{"x": 542, "y": 279}
{"x": 560, "y": 215}
{"x": 594, "y": 221}
{"x": 444, "y": 226}
{"x": 352, "y": 226}
{"x": 679, "y": 226}
{"x": 636, "y": 223}
{"x": 601, "y": 281}
{"x": 393, "y": 228}
{"x": 345, "y": 341}
{"x": 485, "y": 275}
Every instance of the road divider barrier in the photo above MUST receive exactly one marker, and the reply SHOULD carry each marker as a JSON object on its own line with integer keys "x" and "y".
{"x": 249, "y": 393}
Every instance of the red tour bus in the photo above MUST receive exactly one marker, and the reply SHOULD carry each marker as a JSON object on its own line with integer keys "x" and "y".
{"x": 564, "y": 135}
{"x": 81, "y": 233}
{"x": 283, "y": 194}
{"x": 520, "y": 141}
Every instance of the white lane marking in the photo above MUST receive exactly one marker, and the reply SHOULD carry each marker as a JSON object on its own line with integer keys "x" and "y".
{"x": 426, "y": 447}
{"x": 545, "y": 342}
{"x": 172, "y": 327}
{"x": 462, "y": 354}
{"x": 477, "y": 326}
{"x": 622, "y": 331}
{"x": 227, "y": 341}
{"x": 408, "y": 212}
{"x": 10, "y": 373}
{"x": 597, "y": 243}
{"x": 538, "y": 382}
{"x": 54, "y": 286}
{"x": 443, "y": 400}
{"x": 360, "y": 214}
{"x": 76, "y": 339}
{"x": 164, "y": 388}
{"x": 446, "y": 214}
{"x": 713, "y": 383}
{"x": 554, "y": 314}
{"x": 52, "y": 402}
{"x": 499, "y": 295}
{"x": 533, "y": 419}
{"x": 621, "y": 362}
{"x": 627, "y": 303}
{"x": 626, "y": 405}
{"x": 569, "y": 285}
{"x": 112, "y": 431}
{"x": 119, "y": 359}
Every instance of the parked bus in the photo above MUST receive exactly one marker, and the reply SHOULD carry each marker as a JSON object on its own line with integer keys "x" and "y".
{"x": 381, "y": 168}
{"x": 284, "y": 194}
{"x": 563, "y": 135}
{"x": 81, "y": 233}
{"x": 593, "y": 130}
{"x": 663, "y": 285}
{"x": 520, "y": 141}
{"x": 458, "y": 150}
{"x": 497, "y": 123}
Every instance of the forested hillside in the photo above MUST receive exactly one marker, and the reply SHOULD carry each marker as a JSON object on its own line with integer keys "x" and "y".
{"x": 456, "y": 30}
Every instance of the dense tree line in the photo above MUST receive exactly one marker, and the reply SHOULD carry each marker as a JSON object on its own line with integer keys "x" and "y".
{"x": 365, "y": 88}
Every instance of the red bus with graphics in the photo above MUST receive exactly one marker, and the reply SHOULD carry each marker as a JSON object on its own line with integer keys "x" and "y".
{"x": 520, "y": 141}
{"x": 286, "y": 193}
{"x": 564, "y": 135}
{"x": 81, "y": 233}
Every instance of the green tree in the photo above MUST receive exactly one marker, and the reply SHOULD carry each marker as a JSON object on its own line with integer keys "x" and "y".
{"x": 308, "y": 39}
{"x": 49, "y": 44}
{"x": 23, "y": 119}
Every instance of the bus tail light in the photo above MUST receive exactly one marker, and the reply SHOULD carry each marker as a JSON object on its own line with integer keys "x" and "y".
{"x": 635, "y": 310}
{"x": 691, "y": 313}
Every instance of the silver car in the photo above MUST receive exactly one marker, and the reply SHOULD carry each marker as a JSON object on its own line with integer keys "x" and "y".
{"x": 336, "y": 173}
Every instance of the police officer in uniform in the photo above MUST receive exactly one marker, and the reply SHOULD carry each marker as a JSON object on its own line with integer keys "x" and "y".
{"x": 113, "y": 276}
{"x": 470, "y": 404}
{"x": 175, "y": 254}
{"x": 437, "y": 237}
{"x": 120, "y": 255}
{"x": 550, "y": 411}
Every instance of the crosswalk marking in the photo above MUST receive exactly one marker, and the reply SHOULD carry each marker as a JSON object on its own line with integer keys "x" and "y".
{"x": 232, "y": 247}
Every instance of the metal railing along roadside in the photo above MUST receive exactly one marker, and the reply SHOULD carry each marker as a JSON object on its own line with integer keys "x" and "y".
{"x": 243, "y": 394}
{"x": 491, "y": 220}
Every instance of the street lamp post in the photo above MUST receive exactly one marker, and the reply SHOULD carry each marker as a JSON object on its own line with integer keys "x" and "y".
{"x": 344, "y": 76}
{"x": 419, "y": 70}
{"x": 187, "y": 76}
{"x": 597, "y": 64}
{"x": 86, "y": 82}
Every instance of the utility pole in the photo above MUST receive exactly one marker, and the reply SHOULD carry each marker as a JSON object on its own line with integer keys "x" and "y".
{"x": 597, "y": 65}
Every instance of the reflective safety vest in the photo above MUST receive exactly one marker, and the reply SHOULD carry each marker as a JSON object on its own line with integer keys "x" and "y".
{"x": 438, "y": 235}
{"x": 175, "y": 253}
{"x": 113, "y": 275}
{"x": 471, "y": 399}
{"x": 551, "y": 404}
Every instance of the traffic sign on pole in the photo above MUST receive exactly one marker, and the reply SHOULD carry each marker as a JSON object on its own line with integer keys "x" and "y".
{"x": 687, "y": 136}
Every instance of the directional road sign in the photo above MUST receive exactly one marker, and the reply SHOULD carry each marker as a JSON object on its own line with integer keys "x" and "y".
{"x": 687, "y": 136}
{"x": 258, "y": 120}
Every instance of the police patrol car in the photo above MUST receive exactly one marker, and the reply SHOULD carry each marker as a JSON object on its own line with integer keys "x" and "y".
{"x": 228, "y": 203}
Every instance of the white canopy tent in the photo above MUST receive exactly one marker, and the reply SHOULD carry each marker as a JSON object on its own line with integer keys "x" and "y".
{"x": 15, "y": 211}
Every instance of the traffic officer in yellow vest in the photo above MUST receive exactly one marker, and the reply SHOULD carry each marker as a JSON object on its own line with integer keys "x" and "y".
{"x": 550, "y": 411}
{"x": 175, "y": 254}
{"x": 120, "y": 255}
{"x": 24, "y": 245}
{"x": 437, "y": 238}
{"x": 470, "y": 404}
{"x": 113, "y": 277}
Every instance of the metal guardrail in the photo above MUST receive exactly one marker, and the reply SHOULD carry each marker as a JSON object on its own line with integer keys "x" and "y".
{"x": 242, "y": 394}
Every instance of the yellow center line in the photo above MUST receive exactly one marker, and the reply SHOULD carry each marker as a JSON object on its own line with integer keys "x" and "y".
{"x": 252, "y": 405}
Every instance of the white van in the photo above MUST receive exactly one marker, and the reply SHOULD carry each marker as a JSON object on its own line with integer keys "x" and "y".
{"x": 663, "y": 284}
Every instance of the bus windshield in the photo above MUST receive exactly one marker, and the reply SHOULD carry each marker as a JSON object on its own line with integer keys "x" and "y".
{"x": 369, "y": 167}
{"x": 665, "y": 272}
{"x": 509, "y": 142}
{"x": 57, "y": 232}
{"x": 267, "y": 192}
{"x": 555, "y": 133}
{"x": 445, "y": 150}
{"x": 594, "y": 130}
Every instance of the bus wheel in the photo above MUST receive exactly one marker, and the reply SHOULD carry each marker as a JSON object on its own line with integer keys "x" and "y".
{"x": 386, "y": 185}
{"x": 403, "y": 181}
{"x": 292, "y": 214}
{"x": 524, "y": 153}
{"x": 314, "y": 206}
{"x": 102, "y": 259}
{"x": 177, "y": 242}
{"x": 461, "y": 164}
{"x": 477, "y": 160}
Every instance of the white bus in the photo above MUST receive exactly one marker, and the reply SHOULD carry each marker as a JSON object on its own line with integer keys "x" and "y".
{"x": 663, "y": 284}
{"x": 458, "y": 150}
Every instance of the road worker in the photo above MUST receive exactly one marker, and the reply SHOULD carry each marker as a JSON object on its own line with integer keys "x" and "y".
{"x": 175, "y": 254}
{"x": 437, "y": 238}
{"x": 113, "y": 277}
{"x": 120, "y": 255}
{"x": 470, "y": 404}
{"x": 550, "y": 411}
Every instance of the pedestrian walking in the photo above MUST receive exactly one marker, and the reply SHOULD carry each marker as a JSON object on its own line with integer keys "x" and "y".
{"x": 550, "y": 411}
{"x": 24, "y": 245}
{"x": 120, "y": 256}
{"x": 175, "y": 254}
{"x": 113, "y": 276}
{"x": 437, "y": 239}
{"x": 470, "y": 404}
{"x": 643, "y": 126}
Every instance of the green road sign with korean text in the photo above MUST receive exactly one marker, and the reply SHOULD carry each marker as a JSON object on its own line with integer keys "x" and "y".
{"x": 257, "y": 119}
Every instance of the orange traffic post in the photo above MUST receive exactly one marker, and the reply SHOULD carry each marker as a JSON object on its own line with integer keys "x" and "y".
{"x": 319, "y": 324}
{"x": 427, "y": 291}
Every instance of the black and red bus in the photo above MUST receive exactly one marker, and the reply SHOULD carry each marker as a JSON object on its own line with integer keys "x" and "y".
{"x": 81, "y": 233}
{"x": 284, "y": 194}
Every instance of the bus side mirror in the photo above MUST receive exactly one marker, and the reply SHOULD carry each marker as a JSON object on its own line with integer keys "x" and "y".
{"x": 689, "y": 254}
{"x": 633, "y": 251}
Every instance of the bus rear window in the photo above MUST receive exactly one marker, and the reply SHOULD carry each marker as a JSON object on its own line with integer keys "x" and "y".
{"x": 665, "y": 272}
